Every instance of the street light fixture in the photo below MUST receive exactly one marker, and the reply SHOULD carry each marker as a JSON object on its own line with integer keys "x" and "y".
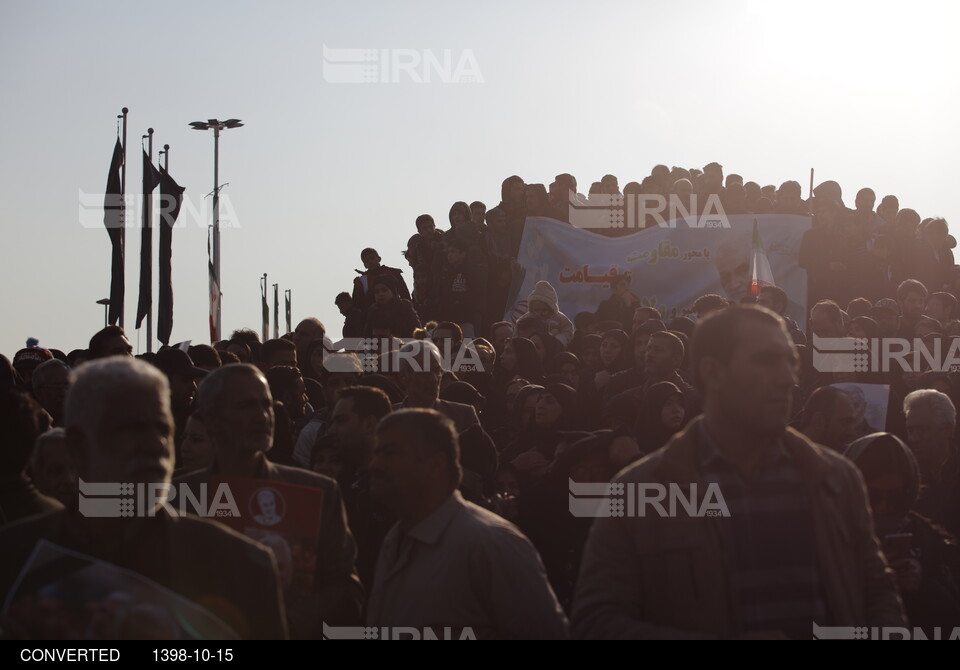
{"x": 106, "y": 306}
{"x": 217, "y": 126}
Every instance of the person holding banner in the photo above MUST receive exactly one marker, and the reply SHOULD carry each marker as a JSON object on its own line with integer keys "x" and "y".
{"x": 236, "y": 407}
{"x": 119, "y": 429}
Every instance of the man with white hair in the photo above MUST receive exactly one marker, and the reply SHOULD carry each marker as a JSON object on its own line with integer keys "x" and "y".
{"x": 931, "y": 420}
{"x": 119, "y": 429}
{"x": 236, "y": 407}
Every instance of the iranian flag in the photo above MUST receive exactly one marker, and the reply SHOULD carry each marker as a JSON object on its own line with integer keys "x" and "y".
{"x": 760, "y": 274}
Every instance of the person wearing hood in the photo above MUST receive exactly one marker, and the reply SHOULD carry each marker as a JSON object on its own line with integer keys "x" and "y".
{"x": 544, "y": 305}
{"x": 925, "y": 557}
{"x": 392, "y": 309}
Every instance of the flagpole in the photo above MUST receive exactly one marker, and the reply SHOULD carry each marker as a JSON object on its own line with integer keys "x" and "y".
{"x": 287, "y": 299}
{"x": 264, "y": 325}
{"x": 216, "y": 220}
{"x": 123, "y": 206}
{"x": 165, "y": 154}
{"x": 810, "y": 192}
{"x": 276, "y": 311}
{"x": 149, "y": 224}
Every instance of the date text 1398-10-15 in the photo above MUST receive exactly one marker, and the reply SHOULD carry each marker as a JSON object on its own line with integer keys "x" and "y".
{"x": 160, "y": 655}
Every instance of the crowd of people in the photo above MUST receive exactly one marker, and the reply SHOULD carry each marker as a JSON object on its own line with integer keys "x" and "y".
{"x": 446, "y": 458}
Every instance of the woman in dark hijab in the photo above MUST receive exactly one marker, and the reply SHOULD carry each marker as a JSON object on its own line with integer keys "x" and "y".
{"x": 921, "y": 553}
{"x": 568, "y": 366}
{"x": 662, "y": 416}
{"x": 521, "y": 428}
{"x": 615, "y": 355}
{"x": 556, "y": 411}
{"x": 588, "y": 350}
{"x": 519, "y": 358}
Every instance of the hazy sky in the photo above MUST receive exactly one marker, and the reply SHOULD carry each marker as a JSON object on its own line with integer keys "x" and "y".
{"x": 866, "y": 93}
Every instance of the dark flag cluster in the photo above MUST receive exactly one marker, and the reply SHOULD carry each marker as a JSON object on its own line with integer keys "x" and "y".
{"x": 150, "y": 180}
{"x": 171, "y": 199}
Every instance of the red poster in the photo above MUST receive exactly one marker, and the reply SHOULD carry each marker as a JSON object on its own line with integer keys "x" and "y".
{"x": 284, "y": 517}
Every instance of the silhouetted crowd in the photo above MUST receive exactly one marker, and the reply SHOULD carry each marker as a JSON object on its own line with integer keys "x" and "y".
{"x": 448, "y": 448}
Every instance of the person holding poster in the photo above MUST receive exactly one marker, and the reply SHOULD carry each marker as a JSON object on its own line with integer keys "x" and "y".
{"x": 236, "y": 407}
{"x": 119, "y": 430}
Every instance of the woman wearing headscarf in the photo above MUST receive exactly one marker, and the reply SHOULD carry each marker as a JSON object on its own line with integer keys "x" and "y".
{"x": 520, "y": 427}
{"x": 663, "y": 415}
{"x": 556, "y": 411}
{"x": 568, "y": 366}
{"x": 615, "y": 354}
{"x": 519, "y": 358}
{"x": 545, "y": 512}
{"x": 924, "y": 556}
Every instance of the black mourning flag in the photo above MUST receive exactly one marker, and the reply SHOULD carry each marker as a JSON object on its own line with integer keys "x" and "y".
{"x": 113, "y": 220}
{"x": 171, "y": 198}
{"x": 150, "y": 180}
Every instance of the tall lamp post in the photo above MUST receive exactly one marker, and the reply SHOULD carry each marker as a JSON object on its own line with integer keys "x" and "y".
{"x": 106, "y": 306}
{"x": 217, "y": 126}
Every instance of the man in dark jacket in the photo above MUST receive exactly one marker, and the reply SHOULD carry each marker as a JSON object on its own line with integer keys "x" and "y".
{"x": 119, "y": 430}
{"x": 463, "y": 289}
{"x": 363, "y": 285}
{"x": 237, "y": 411}
{"x": 795, "y": 515}
{"x": 352, "y": 316}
